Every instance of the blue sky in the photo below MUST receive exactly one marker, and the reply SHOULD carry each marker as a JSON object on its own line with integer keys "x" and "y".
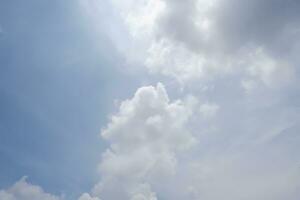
{"x": 56, "y": 88}
{"x": 149, "y": 100}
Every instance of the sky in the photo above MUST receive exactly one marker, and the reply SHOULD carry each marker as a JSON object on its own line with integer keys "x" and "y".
{"x": 149, "y": 100}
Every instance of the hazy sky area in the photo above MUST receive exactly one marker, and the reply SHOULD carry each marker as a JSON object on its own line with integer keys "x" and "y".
{"x": 149, "y": 100}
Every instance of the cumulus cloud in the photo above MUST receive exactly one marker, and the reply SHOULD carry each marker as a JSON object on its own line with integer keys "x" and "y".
{"x": 22, "y": 190}
{"x": 146, "y": 137}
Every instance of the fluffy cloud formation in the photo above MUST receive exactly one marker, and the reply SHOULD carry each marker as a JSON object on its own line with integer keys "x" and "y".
{"x": 22, "y": 190}
{"x": 146, "y": 137}
{"x": 199, "y": 39}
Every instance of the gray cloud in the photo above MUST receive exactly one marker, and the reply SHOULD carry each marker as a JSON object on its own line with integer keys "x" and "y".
{"x": 235, "y": 24}
{"x": 197, "y": 39}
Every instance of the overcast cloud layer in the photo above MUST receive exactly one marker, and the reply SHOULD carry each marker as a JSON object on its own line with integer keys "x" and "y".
{"x": 224, "y": 120}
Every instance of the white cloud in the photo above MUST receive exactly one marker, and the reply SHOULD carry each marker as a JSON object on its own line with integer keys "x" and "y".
{"x": 146, "y": 135}
{"x": 150, "y": 116}
{"x": 22, "y": 190}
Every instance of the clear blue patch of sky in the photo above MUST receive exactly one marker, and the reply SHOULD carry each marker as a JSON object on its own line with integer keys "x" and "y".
{"x": 57, "y": 86}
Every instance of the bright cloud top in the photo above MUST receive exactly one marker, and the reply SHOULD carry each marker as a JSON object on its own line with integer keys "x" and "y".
{"x": 146, "y": 136}
{"x": 22, "y": 190}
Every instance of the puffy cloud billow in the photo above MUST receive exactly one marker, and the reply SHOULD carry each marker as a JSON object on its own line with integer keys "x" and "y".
{"x": 22, "y": 190}
{"x": 146, "y": 137}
